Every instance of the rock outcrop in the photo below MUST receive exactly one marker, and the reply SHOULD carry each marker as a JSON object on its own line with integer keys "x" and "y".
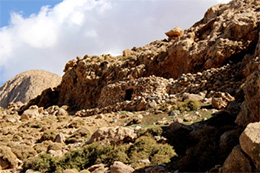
{"x": 226, "y": 33}
{"x": 8, "y": 159}
{"x": 113, "y": 135}
{"x": 250, "y": 142}
{"x": 237, "y": 161}
{"x": 207, "y": 76}
{"x": 250, "y": 108}
{"x": 214, "y": 54}
{"x": 245, "y": 157}
{"x": 26, "y": 86}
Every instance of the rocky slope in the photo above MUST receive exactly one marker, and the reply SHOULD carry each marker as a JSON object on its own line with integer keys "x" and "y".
{"x": 186, "y": 103}
{"x": 26, "y": 86}
{"x": 227, "y": 34}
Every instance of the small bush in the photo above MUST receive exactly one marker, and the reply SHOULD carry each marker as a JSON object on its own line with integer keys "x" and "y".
{"x": 189, "y": 105}
{"x": 154, "y": 131}
{"x": 147, "y": 148}
{"x": 122, "y": 112}
{"x": 42, "y": 147}
{"x": 43, "y": 163}
{"x": 48, "y": 135}
{"x": 116, "y": 153}
{"x": 55, "y": 146}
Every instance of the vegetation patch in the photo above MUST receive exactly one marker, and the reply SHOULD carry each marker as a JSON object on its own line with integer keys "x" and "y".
{"x": 145, "y": 147}
{"x": 188, "y": 105}
{"x": 48, "y": 135}
{"x": 150, "y": 131}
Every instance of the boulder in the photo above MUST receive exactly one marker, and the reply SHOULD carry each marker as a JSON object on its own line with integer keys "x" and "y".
{"x": 61, "y": 112}
{"x": 110, "y": 135}
{"x": 98, "y": 168}
{"x": 126, "y": 53}
{"x": 22, "y": 151}
{"x": 8, "y": 160}
{"x": 250, "y": 142}
{"x": 119, "y": 167}
{"x": 31, "y": 171}
{"x": 59, "y": 138}
{"x": 237, "y": 161}
{"x": 177, "y": 132}
{"x": 31, "y": 113}
{"x": 174, "y": 33}
{"x": 190, "y": 96}
{"x": 250, "y": 109}
{"x": 70, "y": 171}
{"x": 220, "y": 100}
{"x": 154, "y": 169}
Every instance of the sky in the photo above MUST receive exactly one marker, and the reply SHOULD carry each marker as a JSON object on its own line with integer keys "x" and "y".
{"x": 45, "y": 34}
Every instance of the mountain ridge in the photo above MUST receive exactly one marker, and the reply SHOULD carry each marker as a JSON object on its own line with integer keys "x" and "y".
{"x": 27, "y": 85}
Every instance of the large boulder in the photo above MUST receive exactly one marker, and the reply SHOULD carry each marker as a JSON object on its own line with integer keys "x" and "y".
{"x": 174, "y": 33}
{"x": 221, "y": 100}
{"x": 250, "y": 142}
{"x": 113, "y": 135}
{"x": 31, "y": 113}
{"x": 237, "y": 161}
{"x": 250, "y": 109}
{"x": 98, "y": 168}
{"x": 8, "y": 159}
{"x": 119, "y": 167}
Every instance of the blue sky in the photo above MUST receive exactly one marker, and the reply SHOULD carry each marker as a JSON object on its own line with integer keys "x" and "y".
{"x": 46, "y": 34}
{"x": 25, "y": 7}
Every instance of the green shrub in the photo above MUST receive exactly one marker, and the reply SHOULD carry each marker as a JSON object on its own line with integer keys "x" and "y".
{"x": 122, "y": 112}
{"x": 154, "y": 131}
{"x": 82, "y": 158}
{"x": 189, "y": 105}
{"x": 162, "y": 154}
{"x": 43, "y": 163}
{"x": 146, "y": 147}
{"x": 116, "y": 153}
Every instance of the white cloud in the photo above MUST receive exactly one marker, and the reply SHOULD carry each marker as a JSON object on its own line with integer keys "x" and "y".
{"x": 48, "y": 39}
{"x": 223, "y": 1}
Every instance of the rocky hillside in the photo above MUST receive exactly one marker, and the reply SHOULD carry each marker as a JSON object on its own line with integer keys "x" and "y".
{"x": 226, "y": 37}
{"x": 188, "y": 103}
{"x": 26, "y": 86}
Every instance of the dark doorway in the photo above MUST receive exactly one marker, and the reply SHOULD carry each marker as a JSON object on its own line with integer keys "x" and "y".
{"x": 128, "y": 94}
